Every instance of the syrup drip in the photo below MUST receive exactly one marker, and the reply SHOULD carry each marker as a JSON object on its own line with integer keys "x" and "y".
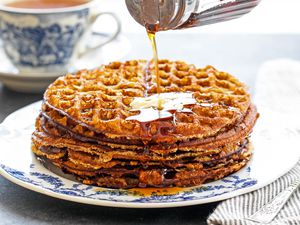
{"x": 171, "y": 103}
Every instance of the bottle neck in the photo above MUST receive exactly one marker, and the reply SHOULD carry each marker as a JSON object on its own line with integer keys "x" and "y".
{"x": 158, "y": 15}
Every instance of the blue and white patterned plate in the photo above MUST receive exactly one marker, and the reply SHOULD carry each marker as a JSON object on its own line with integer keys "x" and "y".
{"x": 274, "y": 155}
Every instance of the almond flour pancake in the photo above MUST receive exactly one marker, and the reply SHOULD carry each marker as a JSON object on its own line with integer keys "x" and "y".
{"x": 90, "y": 125}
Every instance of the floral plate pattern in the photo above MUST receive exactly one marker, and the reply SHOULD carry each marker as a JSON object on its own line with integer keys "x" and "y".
{"x": 274, "y": 145}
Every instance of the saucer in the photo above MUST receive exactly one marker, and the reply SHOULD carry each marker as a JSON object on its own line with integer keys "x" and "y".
{"x": 15, "y": 80}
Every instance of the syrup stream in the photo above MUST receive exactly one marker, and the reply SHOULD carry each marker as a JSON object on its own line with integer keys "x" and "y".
{"x": 151, "y": 36}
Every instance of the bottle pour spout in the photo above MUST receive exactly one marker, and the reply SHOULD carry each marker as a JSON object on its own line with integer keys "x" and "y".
{"x": 159, "y": 15}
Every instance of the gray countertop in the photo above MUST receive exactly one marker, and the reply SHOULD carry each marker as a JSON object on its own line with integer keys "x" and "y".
{"x": 238, "y": 54}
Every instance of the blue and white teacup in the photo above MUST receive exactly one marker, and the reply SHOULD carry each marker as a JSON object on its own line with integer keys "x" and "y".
{"x": 42, "y": 41}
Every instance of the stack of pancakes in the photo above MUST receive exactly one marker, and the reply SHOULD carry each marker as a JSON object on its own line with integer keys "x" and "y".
{"x": 83, "y": 127}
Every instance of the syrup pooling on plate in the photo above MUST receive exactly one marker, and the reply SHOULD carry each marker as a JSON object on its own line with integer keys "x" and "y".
{"x": 157, "y": 191}
{"x": 170, "y": 103}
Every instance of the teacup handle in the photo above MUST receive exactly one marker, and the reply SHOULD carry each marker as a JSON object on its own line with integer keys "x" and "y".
{"x": 110, "y": 38}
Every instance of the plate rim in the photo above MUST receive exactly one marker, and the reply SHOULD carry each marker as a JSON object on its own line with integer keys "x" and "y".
{"x": 117, "y": 204}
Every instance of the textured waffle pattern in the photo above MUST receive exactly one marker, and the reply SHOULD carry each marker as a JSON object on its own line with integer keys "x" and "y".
{"x": 100, "y": 99}
{"x": 83, "y": 130}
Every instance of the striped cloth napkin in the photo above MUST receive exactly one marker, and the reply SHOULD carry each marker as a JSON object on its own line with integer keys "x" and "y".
{"x": 278, "y": 87}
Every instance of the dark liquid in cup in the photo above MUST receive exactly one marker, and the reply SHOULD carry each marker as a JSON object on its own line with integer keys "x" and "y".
{"x": 45, "y": 4}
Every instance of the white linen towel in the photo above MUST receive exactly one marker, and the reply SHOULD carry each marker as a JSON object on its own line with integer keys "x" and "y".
{"x": 278, "y": 88}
